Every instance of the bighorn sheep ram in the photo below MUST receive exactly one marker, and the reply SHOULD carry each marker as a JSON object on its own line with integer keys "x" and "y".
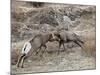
{"x": 67, "y": 36}
{"x": 38, "y": 41}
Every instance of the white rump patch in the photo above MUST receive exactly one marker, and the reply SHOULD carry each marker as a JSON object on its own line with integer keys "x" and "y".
{"x": 26, "y": 48}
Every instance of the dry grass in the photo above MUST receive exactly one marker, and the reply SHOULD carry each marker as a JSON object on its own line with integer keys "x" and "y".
{"x": 14, "y": 57}
{"x": 90, "y": 47}
{"x": 90, "y": 44}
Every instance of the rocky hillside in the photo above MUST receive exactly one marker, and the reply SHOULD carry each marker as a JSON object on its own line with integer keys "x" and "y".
{"x": 28, "y": 18}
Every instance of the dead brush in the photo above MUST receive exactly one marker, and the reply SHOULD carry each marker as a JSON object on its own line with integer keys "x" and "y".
{"x": 90, "y": 45}
{"x": 14, "y": 57}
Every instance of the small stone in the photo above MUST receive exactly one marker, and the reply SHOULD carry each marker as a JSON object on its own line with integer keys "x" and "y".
{"x": 29, "y": 61}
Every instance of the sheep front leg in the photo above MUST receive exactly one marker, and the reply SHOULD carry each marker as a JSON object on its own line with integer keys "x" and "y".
{"x": 44, "y": 51}
{"x": 59, "y": 46}
{"x": 63, "y": 46}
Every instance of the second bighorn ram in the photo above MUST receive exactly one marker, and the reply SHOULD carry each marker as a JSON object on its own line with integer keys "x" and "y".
{"x": 36, "y": 43}
{"x": 67, "y": 36}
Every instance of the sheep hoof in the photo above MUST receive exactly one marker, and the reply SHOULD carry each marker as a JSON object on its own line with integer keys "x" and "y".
{"x": 58, "y": 53}
{"x": 22, "y": 67}
{"x": 17, "y": 65}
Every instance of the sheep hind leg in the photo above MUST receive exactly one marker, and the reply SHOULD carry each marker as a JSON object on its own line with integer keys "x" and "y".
{"x": 38, "y": 50}
{"x": 19, "y": 60}
{"x": 22, "y": 62}
{"x": 64, "y": 47}
{"x": 78, "y": 43}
